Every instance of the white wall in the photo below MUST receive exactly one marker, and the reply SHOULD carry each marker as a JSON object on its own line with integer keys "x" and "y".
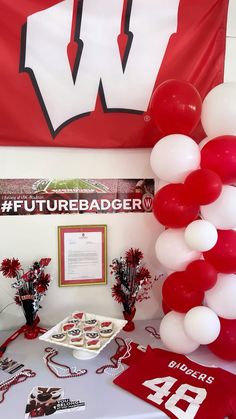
{"x": 32, "y": 237}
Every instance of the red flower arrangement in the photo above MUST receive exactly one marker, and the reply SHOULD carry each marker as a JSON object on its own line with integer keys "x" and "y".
{"x": 30, "y": 286}
{"x": 10, "y": 267}
{"x": 133, "y": 280}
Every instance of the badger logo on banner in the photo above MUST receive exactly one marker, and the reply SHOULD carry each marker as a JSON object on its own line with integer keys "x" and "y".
{"x": 81, "y": 73}
{"x": 124, "y": 79}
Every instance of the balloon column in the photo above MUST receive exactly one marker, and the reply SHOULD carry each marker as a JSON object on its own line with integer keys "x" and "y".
{"x": 197, "y": 207}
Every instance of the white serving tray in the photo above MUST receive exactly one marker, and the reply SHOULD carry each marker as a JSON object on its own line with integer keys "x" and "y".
{"x": 81, "y": 352}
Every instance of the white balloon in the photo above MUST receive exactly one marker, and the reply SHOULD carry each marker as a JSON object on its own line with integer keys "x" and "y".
{"x": 222, "y": 297}
{"x": 222, "y": 212}
{"x": 172, "y": 250}
{"x": 174, "y": 157}
{"x": 202, "y": 325}
{"x": 173, "y": 335}
{"x": 219, "y": 110}
{"x": 201, "y": 235}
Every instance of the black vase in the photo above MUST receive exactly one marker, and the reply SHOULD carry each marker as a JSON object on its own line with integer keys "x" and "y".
{"x": 29, "y": 311}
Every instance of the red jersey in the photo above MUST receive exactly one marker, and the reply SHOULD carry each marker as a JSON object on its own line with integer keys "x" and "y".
{"x": 181, "y": 388}
{"x": 135, "y": 354}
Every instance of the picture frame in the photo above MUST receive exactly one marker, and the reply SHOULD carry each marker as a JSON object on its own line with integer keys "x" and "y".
{"x": 82, "y": 255}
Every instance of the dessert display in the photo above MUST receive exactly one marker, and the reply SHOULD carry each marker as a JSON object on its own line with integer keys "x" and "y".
{"x": 84, "y": 332}
{"x": 81, "y": 330}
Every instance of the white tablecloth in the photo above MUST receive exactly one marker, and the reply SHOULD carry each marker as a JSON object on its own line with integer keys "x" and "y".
{"x": 104, "y": 400}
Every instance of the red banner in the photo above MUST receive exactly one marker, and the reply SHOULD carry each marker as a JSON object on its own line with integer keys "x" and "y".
{"x": 75, "y": 196}
{"x": 81, "y": 73}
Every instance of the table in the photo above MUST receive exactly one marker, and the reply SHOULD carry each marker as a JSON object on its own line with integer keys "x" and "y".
{"x": 104, "y": 400}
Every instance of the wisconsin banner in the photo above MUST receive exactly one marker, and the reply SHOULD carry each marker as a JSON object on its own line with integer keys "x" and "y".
{"x": 80, "y": 73}
{"x": 75, "y": 196}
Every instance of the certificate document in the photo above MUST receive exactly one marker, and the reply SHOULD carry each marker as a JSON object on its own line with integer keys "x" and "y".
{"x": 82, "y": 255}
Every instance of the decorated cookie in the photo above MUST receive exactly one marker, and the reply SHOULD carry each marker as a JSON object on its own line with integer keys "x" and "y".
{"x": 77, "y": 341}
{"x": 91, "y": 322}
{"x": 90, "y": 329}
{"x": 79, "y": 315}
{"x": 106, "y": 325}
{"x": 74, "y": 333}
{"x": 76, "y": 322}
{"x": 58, "y": 337}
{"x": 91, "y": 335}
{"x": 93, "y": 344}
{"x": 106, "y": 333}
{"x": 68, "y": 326}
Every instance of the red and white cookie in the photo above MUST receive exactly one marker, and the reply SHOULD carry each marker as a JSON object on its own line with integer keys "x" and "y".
{"x": 77, "y": 341}
{"x": 68, "y": 326}
{"x": 58, "y": 337}
{"x": 106, "y": 333}
{"x": 76, "y": 322}
{"x": 93, "y": 344}
{"x": 91, "y": 335}
{"x": 74, "y": 333}
{"x": 91, "y": 322}
{"x": 79, "y": 315}
{"x": 106, "y": 325}
{"x": 89, "y": 329}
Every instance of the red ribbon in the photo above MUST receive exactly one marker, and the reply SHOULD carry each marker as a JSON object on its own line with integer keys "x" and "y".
{"x": 30, "y": 332}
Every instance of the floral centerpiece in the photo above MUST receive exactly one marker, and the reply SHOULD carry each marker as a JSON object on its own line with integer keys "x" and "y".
{"x": 133, "y": 283}
{"x": 30, "y": 286}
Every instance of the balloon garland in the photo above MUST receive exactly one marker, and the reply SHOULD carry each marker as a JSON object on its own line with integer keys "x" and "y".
{"x": 196, "y": 204}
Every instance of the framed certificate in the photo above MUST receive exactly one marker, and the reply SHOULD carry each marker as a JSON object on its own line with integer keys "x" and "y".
{"x": 82, "y": 255}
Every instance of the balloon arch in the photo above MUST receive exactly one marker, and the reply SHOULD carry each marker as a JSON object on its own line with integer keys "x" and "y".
{"x": 197, "y": 205}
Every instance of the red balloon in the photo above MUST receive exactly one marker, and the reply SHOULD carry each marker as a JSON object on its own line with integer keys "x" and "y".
{"x": 165, "y": 308}
{"x": 172, "y": 208}
{"x": 219, "y": 155}
{"x": 201, "y": 275}
{"x": 176, "y": 107}
{"x": 203, "y": 186}
{"x": 225, "y": 345}
{"x": 176, "y": 294}
{"x": 223, "y": 255}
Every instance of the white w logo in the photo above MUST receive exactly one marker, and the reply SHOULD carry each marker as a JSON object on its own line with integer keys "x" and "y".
{"x": 125, "y": 83}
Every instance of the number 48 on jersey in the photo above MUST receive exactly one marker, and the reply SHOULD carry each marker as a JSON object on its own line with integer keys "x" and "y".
{"x": 162, "y": 387}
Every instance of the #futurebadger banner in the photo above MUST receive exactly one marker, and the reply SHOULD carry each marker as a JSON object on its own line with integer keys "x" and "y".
{"x": 75, "y": 196}
{"x": 80, "y": 73}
